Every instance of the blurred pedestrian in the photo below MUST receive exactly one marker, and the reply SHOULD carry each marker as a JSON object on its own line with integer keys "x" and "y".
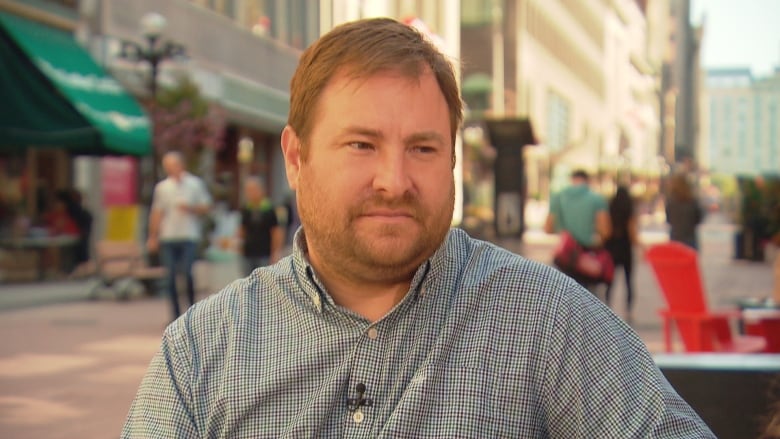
{"x": 755, "y": 218}
{"x": 175, "y": 230}
{"x": 385, "y": 321}
{"x": 83, "y": 219}
{"x": 683, "y": 212}
{"x": 260, "y": 232}
{"x": 58, "y": 222}
{"x": 583, "y": 214}
{"x": 57, "y": 219}
{"x": 621, "y": 242}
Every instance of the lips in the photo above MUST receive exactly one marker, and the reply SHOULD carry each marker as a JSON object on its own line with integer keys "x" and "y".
{"x": 388, "y": 213}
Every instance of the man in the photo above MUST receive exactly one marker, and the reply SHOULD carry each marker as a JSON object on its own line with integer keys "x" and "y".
{"x": 384, "y": 322}
{"x": 580, "y": 211}
{"x": 174, "y": 223}
{"x": 261, "y": 234}
{"x": 583, "y": 214}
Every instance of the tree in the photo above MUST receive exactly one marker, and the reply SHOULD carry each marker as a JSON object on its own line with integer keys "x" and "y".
{"x": 183, "y": 120}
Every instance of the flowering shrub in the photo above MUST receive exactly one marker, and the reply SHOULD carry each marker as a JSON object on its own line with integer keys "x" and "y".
{"x": 183, "y": 120}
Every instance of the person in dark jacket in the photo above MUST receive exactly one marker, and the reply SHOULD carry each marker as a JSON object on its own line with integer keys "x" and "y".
{"x": 621, "y": 242}
{"x": 683, "y": 212}
{"x": 261, "y": 232}
{"x": 83, "y": 218}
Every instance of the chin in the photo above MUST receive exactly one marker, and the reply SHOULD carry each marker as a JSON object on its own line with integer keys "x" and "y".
{"x": 395, "y": 251}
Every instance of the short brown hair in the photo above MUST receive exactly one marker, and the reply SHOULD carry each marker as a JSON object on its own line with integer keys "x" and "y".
{"x": 364, "y": 48}
{"x": 680, "y": 188}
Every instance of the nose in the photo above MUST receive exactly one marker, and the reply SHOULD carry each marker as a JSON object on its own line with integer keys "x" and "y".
{"x": 391, "y": 176}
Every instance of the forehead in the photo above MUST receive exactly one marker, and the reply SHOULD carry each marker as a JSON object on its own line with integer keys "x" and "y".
{"x": 171, "y": 159}
{"x": 388, "y": 97}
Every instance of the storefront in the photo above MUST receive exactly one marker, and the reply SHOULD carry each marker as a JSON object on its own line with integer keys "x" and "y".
{"x": 58, "y": 103}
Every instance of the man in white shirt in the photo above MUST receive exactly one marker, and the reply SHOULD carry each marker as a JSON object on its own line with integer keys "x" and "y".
{"x": 174, "y": 223}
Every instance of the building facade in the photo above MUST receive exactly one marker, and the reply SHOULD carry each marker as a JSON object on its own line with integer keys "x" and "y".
{"x": 742, "y": 116}
{"x": 245, "y": 70}
{"x": 241, "y": 55}
{"x": 681, "y": 89}
{"x": 584, "y": 73}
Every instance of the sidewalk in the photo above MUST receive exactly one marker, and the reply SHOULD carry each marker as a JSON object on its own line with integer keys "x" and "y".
{"x": 71, "y": 369}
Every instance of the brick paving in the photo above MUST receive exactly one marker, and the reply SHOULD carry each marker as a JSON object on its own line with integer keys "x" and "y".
{"x": 69, "y": 367}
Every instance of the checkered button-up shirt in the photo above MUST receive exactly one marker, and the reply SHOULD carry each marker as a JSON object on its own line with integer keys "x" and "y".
{"x": 485, "y": 344}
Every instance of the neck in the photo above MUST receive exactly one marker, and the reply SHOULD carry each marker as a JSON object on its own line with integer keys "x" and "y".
{"x": 368, "y": 297}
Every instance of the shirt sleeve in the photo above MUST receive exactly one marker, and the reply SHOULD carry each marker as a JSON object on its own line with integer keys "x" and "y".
{"x": 162, "y": 406}
{"x": 157, "y": 197}
{"x": 601, "y": 381}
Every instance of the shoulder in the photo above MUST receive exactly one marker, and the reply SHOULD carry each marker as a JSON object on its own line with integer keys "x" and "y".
{"x": 598, "y": 197}
{"x": 242, "y": 306}
{"x": 489, "y": 270}
{"x": 163, "y": 184}
{"x": 193, "y": 180}
{"x": 529, "y": 307}
{"x": 163, "y": 188}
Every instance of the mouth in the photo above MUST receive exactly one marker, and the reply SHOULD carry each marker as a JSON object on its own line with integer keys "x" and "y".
{"x": 388, "y": 216}
{"x": 388, "y": 213}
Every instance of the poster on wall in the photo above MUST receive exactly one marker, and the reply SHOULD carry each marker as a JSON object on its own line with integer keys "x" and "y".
{"x": 118, "y": 180}
{"x": 118, "y": 176}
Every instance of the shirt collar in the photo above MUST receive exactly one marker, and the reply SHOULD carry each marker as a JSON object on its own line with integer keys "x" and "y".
{"x": 424, "y": 277}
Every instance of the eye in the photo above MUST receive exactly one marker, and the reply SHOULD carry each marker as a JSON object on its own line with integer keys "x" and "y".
{"x": 424, "y": 149}
{"x": 361, "y": 146}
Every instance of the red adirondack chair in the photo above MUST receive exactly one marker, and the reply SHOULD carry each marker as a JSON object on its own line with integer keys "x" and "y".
{"x": 676, "y": 269}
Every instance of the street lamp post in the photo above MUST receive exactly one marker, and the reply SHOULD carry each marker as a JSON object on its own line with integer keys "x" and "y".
{"x": 153, "y": 52}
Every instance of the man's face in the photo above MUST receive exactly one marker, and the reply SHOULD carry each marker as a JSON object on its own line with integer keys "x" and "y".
{"x": 254, "y": 192}
{"x": 172, "y": 166}
{"x": 376, "y": 192}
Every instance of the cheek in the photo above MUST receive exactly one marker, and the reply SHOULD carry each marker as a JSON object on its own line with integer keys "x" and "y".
{"x": 327, "y": 188}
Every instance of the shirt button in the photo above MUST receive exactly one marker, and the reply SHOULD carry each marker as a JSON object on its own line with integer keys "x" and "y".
{"x": 372, "y": 333}
{"x": 358, "y": 416}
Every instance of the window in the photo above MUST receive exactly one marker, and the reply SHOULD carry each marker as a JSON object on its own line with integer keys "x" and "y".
{"x": 557, "y": 121}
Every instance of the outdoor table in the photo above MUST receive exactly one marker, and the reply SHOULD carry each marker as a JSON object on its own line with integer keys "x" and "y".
{"x": 38, "y": 244}
{"x": 760, "y": 316}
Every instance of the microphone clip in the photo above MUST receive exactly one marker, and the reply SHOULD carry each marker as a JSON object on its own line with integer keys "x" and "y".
{"x": 356, "y": 403}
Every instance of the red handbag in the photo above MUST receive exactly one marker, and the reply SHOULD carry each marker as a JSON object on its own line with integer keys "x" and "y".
{"x": 592, "y": 265}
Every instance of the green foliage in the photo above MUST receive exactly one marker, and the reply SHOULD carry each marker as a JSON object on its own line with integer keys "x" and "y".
{"x": 185, "y": 121}
{"x": 185, "y": 91}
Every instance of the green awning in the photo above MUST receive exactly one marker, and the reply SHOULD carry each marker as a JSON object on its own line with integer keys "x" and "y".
{"x": 55, "y": 95}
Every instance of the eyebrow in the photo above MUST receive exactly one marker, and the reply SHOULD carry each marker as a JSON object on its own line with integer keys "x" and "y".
{"x": 424, "y": 136}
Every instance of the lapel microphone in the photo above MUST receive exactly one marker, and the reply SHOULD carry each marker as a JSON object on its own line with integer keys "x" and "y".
{"x": 355, "y": 403}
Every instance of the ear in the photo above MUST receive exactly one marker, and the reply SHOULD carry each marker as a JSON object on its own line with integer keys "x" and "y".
{"x": 291, "y": 149}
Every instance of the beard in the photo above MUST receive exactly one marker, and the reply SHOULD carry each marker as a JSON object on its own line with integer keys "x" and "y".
{"x": 367, "y": 251}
